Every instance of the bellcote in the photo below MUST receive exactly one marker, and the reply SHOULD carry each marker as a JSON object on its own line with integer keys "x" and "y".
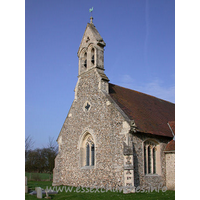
{"x": 91, "y": 49}
{"x": 91, "y": 60}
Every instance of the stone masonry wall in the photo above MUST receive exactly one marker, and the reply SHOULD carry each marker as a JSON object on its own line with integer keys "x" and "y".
{"x": 110, "y": 130}
{"x": 170, "y": 170}
{"x": 105, "y": 123}
{"x": 140, "y": 178}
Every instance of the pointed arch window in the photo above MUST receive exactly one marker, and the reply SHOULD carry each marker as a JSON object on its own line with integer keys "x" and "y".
{"x": 85, "y": 60}
{"x": 92, "y": 56}
{"x": 87, "y": 151}
{"x": 151, "y": 151}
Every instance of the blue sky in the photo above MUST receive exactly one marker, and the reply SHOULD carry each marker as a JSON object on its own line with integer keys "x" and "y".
{"x": 139, "y": 54}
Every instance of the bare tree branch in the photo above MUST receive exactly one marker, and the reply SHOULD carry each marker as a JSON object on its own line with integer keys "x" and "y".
{"x": 28, "y": 144}
{"x": 52, "y": 144}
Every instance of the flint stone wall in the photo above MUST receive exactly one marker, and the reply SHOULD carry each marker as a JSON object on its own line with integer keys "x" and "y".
{"x": 105, "y": 123}
{"x": 170, "y": 170}
{"x": 110, "y": 130}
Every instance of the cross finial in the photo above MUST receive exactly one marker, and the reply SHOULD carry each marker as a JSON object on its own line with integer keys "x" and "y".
{"x": 91, "y": 20}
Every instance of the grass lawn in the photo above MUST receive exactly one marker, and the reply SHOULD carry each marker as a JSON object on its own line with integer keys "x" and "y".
{"x": 98, "y": 195}
{"x": 42, "y": 176}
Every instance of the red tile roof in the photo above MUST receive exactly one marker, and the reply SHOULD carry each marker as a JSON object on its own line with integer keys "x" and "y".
{"x": 150, "y": 114}
{"x": 170, "y": 146}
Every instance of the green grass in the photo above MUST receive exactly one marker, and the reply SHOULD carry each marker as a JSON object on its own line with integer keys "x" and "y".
{"x": 42, "y": 176}
{"x": 168, "y": 195}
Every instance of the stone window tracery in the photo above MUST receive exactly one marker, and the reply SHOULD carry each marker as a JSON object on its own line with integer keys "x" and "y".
{"x": 87, "y": 151}
{"x": 87, "y": 106}
{"x": 150, "y": 157}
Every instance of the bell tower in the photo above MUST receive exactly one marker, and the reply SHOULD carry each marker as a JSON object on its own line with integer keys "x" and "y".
{"x": 91, "y": 55}
{"x": 91, "y": 50}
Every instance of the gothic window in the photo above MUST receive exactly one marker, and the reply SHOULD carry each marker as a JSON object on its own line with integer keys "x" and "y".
{"x": 145, "y": 166}
{"x": 87, "y": 151}
{"x": 85, "y": 60}
{"x": 85, "y": 63}
{"x": 154, "y": 160}
{"x": 150, "y": 158}
{"x": 87, "y": 155}
{"x": 92, "y": 60}
{"x": 92, "y": 56}
{"x": 92, "y": 155}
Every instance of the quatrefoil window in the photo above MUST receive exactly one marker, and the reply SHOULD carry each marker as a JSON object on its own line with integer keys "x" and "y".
{"x": 86, "y": 106}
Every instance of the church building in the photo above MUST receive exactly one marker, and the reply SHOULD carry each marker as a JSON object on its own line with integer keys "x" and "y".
{"x": 113, "y": 136}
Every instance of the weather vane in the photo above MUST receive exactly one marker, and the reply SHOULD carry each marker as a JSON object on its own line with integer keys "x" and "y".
{"x": 91, "y": 18}
{"x": 90, "y": 10}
